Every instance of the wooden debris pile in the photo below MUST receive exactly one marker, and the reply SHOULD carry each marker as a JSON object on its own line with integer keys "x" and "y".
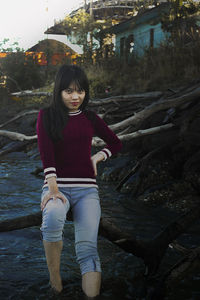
{"x": 148, "y": 124}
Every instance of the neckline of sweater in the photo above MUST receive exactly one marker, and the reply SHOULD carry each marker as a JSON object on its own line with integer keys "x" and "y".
{"x": 78, "y": 112}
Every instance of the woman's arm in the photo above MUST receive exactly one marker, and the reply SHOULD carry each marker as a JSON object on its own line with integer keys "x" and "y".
{"x": 46, "y": 148}
{"x": 113, "y": 143}
{"x": 96, "y": 158}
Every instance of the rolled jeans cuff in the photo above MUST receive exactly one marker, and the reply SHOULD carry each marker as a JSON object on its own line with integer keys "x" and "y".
{"x": 91, "y": 265}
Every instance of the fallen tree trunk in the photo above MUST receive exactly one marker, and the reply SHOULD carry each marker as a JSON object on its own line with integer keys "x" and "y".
{"x": 134, "y": 120}
{"x": 140, "y": 116}
{"x": 187, "y": 264}
{"x": 30, "y": 94}
{"x": 21, "y": 222}
{"x": 123, "y": 98}
{"x": 151, "y": 251}
{"x": 18, "y": 146}
{"x": 17, "y": 136}
{"x": 151, "y": 95}
{"x": 19, "y": 116}
{"x": 97, "y": 142}
{"x": 139, "y": 167}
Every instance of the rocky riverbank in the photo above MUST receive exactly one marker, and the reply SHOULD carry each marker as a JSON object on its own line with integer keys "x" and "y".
{"x": 158, "y": 166}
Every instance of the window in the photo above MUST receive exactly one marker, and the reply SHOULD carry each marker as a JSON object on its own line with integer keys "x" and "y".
{"x": 122, "y": 42}
{"x": 151, "y": 37}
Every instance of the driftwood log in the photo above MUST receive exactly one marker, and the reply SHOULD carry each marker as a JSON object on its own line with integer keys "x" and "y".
{"x": 96, "y": 142}
{"x": 17, "y": 136}
{"x": 151, "y": 251}
{"x": 29, "y": 93}
{"x": 19, "y": 116}
{"x": 125, "y": 128}
{"x": 13, "y": 147}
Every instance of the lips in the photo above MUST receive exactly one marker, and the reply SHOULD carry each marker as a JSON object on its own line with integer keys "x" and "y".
{"x": 74, "y": 103}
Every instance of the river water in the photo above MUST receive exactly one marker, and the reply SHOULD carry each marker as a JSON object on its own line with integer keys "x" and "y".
{"x": 23, "y": 270}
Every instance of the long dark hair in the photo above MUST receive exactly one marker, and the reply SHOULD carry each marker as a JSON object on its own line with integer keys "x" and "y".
{"x": 57, "y": 114}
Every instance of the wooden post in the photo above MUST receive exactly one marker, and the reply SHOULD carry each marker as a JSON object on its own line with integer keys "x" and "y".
{"x": 91, "y": 8}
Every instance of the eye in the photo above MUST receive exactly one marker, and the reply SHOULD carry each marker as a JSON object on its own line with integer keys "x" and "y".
{"x": 80, "y": 91}
{"x": 68, "y": 91}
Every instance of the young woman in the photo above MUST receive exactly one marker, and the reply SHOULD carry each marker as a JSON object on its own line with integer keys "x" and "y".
{"x": 65, "y": 130}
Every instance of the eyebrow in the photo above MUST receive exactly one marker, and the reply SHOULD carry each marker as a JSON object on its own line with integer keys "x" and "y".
{"x": 75, "y": 89}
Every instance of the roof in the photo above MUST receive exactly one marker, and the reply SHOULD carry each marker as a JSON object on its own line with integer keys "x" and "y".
{"x": 154, "y": 13}
{"x": 101, "y": 9}
{"x": 54, "y": 45}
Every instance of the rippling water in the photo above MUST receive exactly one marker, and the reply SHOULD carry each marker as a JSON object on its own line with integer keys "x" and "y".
{"x": 23, "y": 272}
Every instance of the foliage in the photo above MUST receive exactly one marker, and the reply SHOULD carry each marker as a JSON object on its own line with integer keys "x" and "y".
{"x": 180, "y": 21}
{"x": 159, "y": 69}
{"x": 21, "y": 72}
{"x": 87, "y": 32}
{"x": 5, "y": 46}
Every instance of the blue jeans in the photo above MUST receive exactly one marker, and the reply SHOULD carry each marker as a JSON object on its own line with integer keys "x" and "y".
{"x": 85, "y": 205}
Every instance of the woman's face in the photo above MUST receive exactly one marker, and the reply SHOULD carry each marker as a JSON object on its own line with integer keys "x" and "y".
{"x": 73, "y": 97}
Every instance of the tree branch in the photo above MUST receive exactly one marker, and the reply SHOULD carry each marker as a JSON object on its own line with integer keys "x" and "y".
{"x": 17, "y": 136}
{"x": 19, "y": 116}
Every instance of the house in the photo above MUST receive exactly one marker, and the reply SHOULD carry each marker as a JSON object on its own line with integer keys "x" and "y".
{"x": 101, "y": 11}
{"x": 117, "y": 10}
{"x": 132, "y": 34}
{"x": 140, "y": 32}
{"x": 145, "y": 31}
{"x": 52, "y": 52}
{"x": 48, "y": 51}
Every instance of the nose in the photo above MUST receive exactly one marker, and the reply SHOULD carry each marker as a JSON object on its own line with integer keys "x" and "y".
{"x": 74, "y": 95}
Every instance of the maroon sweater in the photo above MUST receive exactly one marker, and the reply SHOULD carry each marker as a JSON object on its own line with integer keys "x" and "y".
{"x": 70, "y": 159}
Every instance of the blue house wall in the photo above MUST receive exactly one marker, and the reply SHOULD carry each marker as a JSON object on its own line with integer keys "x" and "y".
{"x": 141, "y": 38}
{"x": 140, "y": 33}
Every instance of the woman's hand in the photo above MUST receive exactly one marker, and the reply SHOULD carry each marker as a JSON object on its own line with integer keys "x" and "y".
{"x": 95, "y": 160}
{"x": 54, "y": 196}
{"x": 53, "y": 193}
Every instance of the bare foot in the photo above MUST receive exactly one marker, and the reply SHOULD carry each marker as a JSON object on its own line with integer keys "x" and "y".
{"x": 56, "y": 284}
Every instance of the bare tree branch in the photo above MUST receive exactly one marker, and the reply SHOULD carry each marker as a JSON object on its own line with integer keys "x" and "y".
{"x": 19, "y": 116}
{"x": 97, "y": 142}
{"x": 140, "y": 116}
{"x": 17, "y": 136}
{"x": 30, "y": 94}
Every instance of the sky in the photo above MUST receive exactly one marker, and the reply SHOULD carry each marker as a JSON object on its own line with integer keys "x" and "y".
{"x": 25, "y": 21}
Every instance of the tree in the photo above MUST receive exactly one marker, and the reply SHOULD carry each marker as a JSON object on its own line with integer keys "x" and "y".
{"x": 89, "y": 33}
{"x": 20, "y": 70}
{"x": 180, "y": 22}
{"x": 5, "y": 46}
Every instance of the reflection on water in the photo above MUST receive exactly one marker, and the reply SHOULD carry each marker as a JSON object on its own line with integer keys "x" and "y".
{"x": 23, "y": 270}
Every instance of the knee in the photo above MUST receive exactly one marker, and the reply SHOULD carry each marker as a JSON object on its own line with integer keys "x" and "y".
{"x": 54, "y": 216}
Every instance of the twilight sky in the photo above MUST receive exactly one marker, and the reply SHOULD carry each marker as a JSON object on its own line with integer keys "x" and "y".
{"x": 25, "y": 21}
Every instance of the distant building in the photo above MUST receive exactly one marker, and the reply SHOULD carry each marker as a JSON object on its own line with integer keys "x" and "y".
{"x": 52, "y": 52}
{"x": 140, "y": 32}
{"x": 48, "y": 51}
{"x": 101, "y": 10}
{"x": 118, "y": 10}
{"x": 144, "y": 31}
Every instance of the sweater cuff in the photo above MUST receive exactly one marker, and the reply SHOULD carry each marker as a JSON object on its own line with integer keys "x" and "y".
{"x": 106, "y": 153}
{"x": 49, "y": 172}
